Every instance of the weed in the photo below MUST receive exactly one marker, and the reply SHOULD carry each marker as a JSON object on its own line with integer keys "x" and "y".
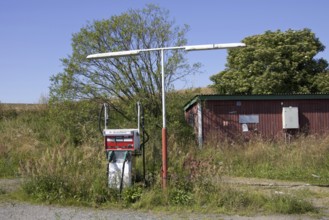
{"x": 180, "y": 197}
{"x": 132, "y": 194}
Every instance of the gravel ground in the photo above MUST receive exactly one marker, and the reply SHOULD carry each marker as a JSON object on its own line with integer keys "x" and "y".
{"x": 22, "y": 211}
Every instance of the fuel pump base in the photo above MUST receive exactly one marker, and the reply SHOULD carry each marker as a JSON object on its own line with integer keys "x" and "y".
{"x": 120, "y": 146}
{"x": 119, "y": 169}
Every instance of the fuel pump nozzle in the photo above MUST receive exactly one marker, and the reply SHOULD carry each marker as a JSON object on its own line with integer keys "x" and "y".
{"x": 125, "y": 159}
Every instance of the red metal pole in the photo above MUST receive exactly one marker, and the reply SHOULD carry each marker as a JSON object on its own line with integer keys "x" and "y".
{"x": 164, "y": 158}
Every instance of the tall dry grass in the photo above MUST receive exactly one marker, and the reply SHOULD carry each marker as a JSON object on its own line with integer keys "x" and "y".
{"x": 303, "y": 159}
{"x": 67, "y": 175}
{"x": 18, "y": 141}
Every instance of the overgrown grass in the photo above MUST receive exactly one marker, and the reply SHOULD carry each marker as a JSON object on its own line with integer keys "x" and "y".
{"x": 59, "y": 170}
{"x": 68, "y": 175}
{"x": 305, "y": 159}
{"x": 221, "y": 198}
{"x": 18, "y": 141}
{"x": 76, "y": 176}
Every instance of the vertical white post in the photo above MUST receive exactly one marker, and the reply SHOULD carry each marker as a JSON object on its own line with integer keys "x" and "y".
{"x": 163, "y": 90}
{"x": 200, "y": 135}
{"x": 106, "y": 116}
{"x": 139, "y": 116}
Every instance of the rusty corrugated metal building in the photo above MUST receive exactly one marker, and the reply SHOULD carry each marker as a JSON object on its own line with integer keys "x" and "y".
{"x": 218, "y": 117}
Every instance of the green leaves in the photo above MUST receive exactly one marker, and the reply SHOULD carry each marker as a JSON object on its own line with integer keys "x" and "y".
{"x": 127, "y": 79}
{"x": 273, "y": 62}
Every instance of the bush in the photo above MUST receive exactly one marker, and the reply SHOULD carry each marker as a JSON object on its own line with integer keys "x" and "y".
{"x": 132, "y": 194}
{"x": 180, "y": 197}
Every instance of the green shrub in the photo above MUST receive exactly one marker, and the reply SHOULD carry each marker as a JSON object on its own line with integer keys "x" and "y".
{"x": 132, "y": 194}
{"x": 180, "y": 197}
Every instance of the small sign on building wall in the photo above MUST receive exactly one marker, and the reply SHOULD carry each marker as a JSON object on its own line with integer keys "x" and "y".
{"x": 244, "y": 119}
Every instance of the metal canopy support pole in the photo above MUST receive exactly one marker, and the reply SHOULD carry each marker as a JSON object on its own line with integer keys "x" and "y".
{"x": 164, "y": 129}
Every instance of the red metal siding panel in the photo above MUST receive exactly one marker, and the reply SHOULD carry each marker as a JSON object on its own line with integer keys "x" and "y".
{"x": 221, "y": 118}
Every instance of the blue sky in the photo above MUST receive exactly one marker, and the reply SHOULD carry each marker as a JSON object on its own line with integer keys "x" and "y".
{"x": 36, "y": 34}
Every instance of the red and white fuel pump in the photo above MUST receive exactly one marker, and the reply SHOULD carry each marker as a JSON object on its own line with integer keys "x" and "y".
{"x": 120, "y": 147}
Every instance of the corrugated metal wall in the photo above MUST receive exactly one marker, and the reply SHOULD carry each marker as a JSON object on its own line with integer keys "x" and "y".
{"x": 221, "y": 118}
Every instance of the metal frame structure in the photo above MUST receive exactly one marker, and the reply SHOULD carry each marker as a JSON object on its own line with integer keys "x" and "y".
{"x": 186, "y": 48}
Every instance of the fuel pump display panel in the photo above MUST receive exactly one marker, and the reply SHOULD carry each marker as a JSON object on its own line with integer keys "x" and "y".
{"x": 121, "y": 139}
{"x": 119, "y": 142}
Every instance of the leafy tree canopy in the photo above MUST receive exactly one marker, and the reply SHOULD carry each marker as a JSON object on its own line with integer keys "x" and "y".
{"x": 124, "y": 79}
{"x": 275, "y": 62}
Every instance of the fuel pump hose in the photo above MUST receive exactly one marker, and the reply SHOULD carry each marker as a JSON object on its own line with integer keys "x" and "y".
{"x": 123, "y": 170}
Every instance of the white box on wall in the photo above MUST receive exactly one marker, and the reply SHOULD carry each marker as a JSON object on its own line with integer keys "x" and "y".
{"x": 290, "y": 119}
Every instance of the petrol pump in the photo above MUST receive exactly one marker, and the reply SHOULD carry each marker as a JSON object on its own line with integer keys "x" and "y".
{"x": 121, "y": 145}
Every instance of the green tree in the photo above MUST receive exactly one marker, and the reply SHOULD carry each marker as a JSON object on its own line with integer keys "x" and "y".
{"x": 124, "y": 79}
{"x": 321, "y": 82}
{"x": 274, "y": 62}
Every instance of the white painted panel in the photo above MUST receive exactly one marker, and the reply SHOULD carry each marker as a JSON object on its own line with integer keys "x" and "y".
{"x": 290, "y": 118}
